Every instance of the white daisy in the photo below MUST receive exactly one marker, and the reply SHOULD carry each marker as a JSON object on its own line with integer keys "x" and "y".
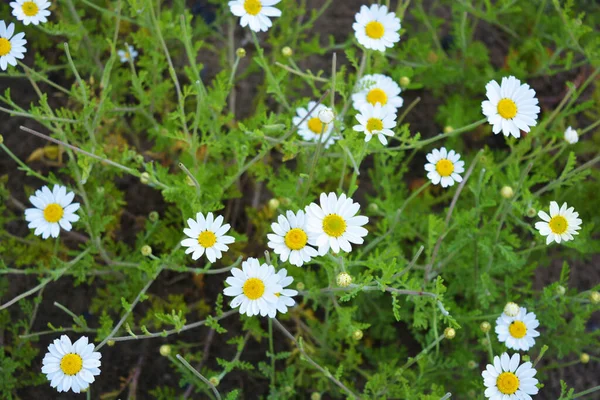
{"x": 507, "y": 380}
{"x": 207, "y": 235}
{"x": 53, "y": 210}
{"x": 11, "y": 47}
{"x": 375, "y": 28}
{"x": 511, "y": 107}
{"x": 291, "y": 238}
{"x": 561, "y": 224}
{"x": 130, "y": 54}
{"x": 571, "y": 136}
{"x": 375, "y": 89}
{"x": 334, "y": 224}
{"x": 517, "y": 332}
{"x": 284, "y": 298}
{"x": 254, "y": 287}
{"x": 444, "y": 166}
{"x": 31, "y": 11}
{"x": 71, "y": 366}
{"x": 375, "y": 120}
{"x": 312, "y": 128}
{"x": 255, "y": 13}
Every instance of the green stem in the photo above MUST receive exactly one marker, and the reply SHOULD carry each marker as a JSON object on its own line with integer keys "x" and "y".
{"x": 272, "y": 354}
{"x": 586, "y": 392}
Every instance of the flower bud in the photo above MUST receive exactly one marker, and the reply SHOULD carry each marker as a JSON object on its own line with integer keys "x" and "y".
{"x": 300, "y": 286}
{"x": 472, "y": 364}
{"x": 373, "y": 207}
{"x": 595, "y": 297}
{"x": 145, "y": 178}
{"x": 315, "y": 396}
{"x": 584, "y": 358}
{"x": 511, "y": 309}
{"x": 404, "y": 81}
{"x": 139, "y": 158}
{"x": 165, "y": 350}
{"x": 560, "y": 290}
{"x": 357, "y": 334}
{"x": 240, "y": 52}
{"x": 507, "y": 192}
{"x": 214, "y": 381}
{"x": 287, "y": 51}
{"x": 449, "y": 333}
{"x": 273, "y": 204}
{"x": 1, "y": 139}
{"x": 153, "y": 216}
{"x": 110, "y": 343}
{"x": 448, "y": 129}
{"x": 531, "y": 212}
{"x": 485, "y": 327}
{"x": 344, "y": 279}
{"x": 146, "y": 250}
{"x": 326, "y": 115}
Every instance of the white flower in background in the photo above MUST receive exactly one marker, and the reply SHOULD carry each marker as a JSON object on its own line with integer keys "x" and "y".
{"x": 31, "y": 11}
{"x": 334, "y": 223}
{"x": 326, "y": 115}
{"x": 207, "y": 235}
{"x": 254, "y": 288}
{"x": 291, "y": 238}
{"x": 571, "y": 136}
{"x": 375, "y": 120}
{"x": 518, "y": 332}
{"x": 507, "y": 380}
{"x": 375, "y": 28}
{"x": 375, "y": 89}
{"x": 255, "y": 13}
{"x": 53, "y": 210}
{"x": 444, "y": 166}
{"x": 11, "y": 47}
{"x": 71, "y": 366}
{"x": 511, "y": 107}
{"x": 312, "y": 127}
{"x": 130, "y": 54}
{"x": 284, "y": 298}
{"x": 561, "y": 224}
{"x": 511, "y": 309}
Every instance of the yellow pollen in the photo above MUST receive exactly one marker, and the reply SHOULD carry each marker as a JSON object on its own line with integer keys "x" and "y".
{"x": 296, "y": 239}
{"x": 253, "y": 288}
{"x": 507, "y": 383}
{"x": 375, "y": 30}
{"x": 71, "y": 364}
{"x": 315, "y": 125}
{"x": 558, "y": 224}
{"x": 444, "y": 167}
{"x": 207, "y": 239}
{"x": 252, "y": 7}
{"x": 507, "y": 108}
{"x": 517, "y": 329}
{"x": 334, "y": 225}
{"x": 277, "y": 294}
{"x": 30, "y": 8}
{"x": 377, "y": 96}
{"x": 53, "y": 212}
{"x": 5, "y": 46}
{"x": 374, "y": 124}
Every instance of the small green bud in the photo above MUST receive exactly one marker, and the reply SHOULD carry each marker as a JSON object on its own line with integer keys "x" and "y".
{"x": 531, "y": 212}
{"x": 110, "y": 343}
{"x": 448, "y": 129}
{"x": 145, "y": 178}
{"x": 153, "y": 216}
{"x": 139, "y": 158}
{"x": 595, "y": 297}
{"x": 214, "y": 381}
{"x": 507, "y": 192}
{"x": 315, "y": 396}
{"x": 373, "y": 207}
{"x": 1, "y": 139}
{"x": 300, "y": 286}
{"x": 485, "y": 327}
{"x": 560, "y": 290}
{"x": 404, "y": 81}
{"x": 165, "y": 350}
{"x": 343, "y": 279}
{"x": 240, "y": 52}
{"x": 274, "y": 204}
{"x": 357, "y": 334}
{"x": 146, "y": 250}
{"x": 472, "y": 364}
{"x": 287, "y": 51}
{"x": 449, "y": 333}
{"x": 584, "y": 358}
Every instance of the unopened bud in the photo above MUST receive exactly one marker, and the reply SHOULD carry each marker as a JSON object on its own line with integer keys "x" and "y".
{"x": 1, "y": 139}
{"x": 485, "y": 327}
{"x": 448, "y": 129}
{"x": 560, "y": 290}
{"x": 373, "y": 207}
{"x": 287, "y": 51}
{"x": 584, "y": 358}
{"x": 511, "y": 309}
{"x": 507, "y": 192}
{"x": 165, "y": 350}
{"x": 326, "y": 115}
{"x": 404, "y": 81}
{"x": 273, "y": 204}
{"x": 595, "y": 297}
{"x": 472, "y": 364}
{"x": 139, "y": 158}
{"x": 343, "y": 279}
{"x": 146, "y": 250}
{"x": 214, "y": 381}
{"x": 315, "y": 396}
{"x": 110, "y": 343}
{"x": 449, "y": 333}
{"x": 531, "y": 212}
{"x": 153, "y": 216}
{"x": 357, "y": 334}
{"x": 240, "y": 52}
{"x": 145, "y": 178}
{"x": 300, "y": 286}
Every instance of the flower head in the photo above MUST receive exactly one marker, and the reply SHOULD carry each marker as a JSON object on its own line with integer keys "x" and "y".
{"x": 11, "y": 47}
{"x": 511, "y": 107}
{"x": 290, "y": 238}
{"x": 444, "y": 167}
{"x": 518, "y": 332}
{"x": 312, "y": 128}
{"x": 284, "y": 297}
{"x": 53, "y": 210}
{"x": 207, "y": 235}
{"x": 255, "y": 13}
{"x": 376, "y": 28}
{"x": 375, "y": 120}
{"x": 127, "y": 55}
{"x": 571, "y": 136}
{"x": 511, "y": 309}
{"x": 561, "y": 224}
{"x": 326, "y": 115}
{"x": 505, "y": 379}
{"x": 31, "y": 11}
{"x": 377, "y": 88}
{"x": 71, "y": 366}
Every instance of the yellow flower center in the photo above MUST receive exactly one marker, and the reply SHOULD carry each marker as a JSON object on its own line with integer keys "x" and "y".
{"x": 71, "y": 364}
{"x": 296, "y": 239}
{"x": 315, "y": 125}
{"x": 254, "y": 288}
{"x": 375, "y": 30}
{"x": 377, "y": 96}
{"x": 558, "y": 224}
{"x": 4, "y": 46}
{"x": 53, "y": 212}
{"x": 507, "y": 108}
{"x": 517, "y": 329}
{"x": 334, "y": 225}
{"x": 207, "y": 239}
{"x": 507, "y": 383}
{"x": 30, "y": 8}
{"x": 374, "y": 124}
{"x": 252, "y": 7}
{"x": 444, "y": 167}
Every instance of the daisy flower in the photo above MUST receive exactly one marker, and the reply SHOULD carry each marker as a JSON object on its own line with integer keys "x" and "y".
{"x": 375, "y": 120}
{"x": 375, "y": 28}
{"x": 11, "y": 47}
{"x": 561, "y": 224}
{"x": 291, "y": 238}
{"x": 375, "y": 89}
{"x": 517, "y": 332}
{"x": 126, "y": 55}
{"x": 207, "y": 235}
{"x": 53, "y": 210}
{"x": 255, "y": 13}
{"x": 71, "y": 366}
{"x": 254, "y": 288}
{"x": 571, "y": 136}
{"x": 511, "y": 107}
{"x": 334, "y": 223}
{"x": 507, "y": 380}
{"x": 444, "y": 166}
{"x": 31, "y": 11}
{"x": 312, "y": 128}
{"x": 284, "y": 298}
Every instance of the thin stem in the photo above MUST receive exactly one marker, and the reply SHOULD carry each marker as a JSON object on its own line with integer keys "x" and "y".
{"x": 191, "y": 176}
{"x": 489, "y": 346}
{"x": 586, "y": 392}
{"x": 272, "y": 353}
{"x": 200, "y": 376}
{"x": 301, "y": 74}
